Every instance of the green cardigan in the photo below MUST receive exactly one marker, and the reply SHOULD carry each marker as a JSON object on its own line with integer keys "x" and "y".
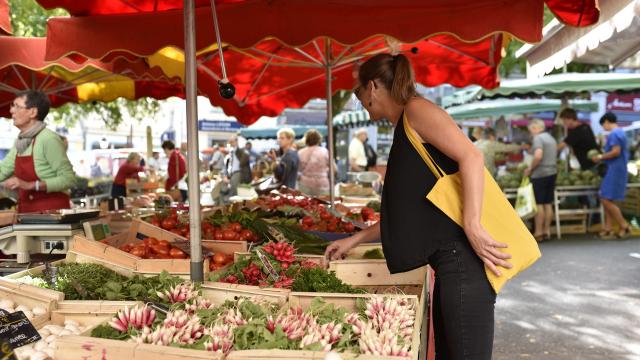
{"x": 50, "y": 160}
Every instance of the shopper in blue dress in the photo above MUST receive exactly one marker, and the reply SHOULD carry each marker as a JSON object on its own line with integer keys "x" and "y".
{"x": 614, "y": 184}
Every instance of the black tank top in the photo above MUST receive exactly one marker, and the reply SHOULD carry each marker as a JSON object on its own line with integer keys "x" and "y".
{"x": 411, "y": 227}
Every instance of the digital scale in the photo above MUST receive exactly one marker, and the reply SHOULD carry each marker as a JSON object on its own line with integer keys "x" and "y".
{"x": 43, "y": 233}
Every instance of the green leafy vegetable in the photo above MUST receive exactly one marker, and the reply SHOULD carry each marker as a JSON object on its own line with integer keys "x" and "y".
{"x": 373, "y": 254}
{"x": 320, "y": 280}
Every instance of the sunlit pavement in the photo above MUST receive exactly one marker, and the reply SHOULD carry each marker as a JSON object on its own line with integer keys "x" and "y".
{"x": 581, "y": 300}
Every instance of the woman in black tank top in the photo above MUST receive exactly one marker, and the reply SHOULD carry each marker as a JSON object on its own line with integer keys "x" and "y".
{"x": 413, "y": 231}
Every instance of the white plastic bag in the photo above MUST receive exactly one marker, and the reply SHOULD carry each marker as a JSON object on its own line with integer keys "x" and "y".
{"x": 526, "y": 200}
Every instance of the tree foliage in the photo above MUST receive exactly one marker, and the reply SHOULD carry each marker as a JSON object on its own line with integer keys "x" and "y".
{"x": 29, "y": 19}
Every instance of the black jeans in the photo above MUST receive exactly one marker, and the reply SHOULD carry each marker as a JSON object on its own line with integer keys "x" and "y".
{"x": 463, "y": 304}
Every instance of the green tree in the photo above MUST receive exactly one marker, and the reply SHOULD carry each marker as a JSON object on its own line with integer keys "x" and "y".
{"x": 29, "y": 19}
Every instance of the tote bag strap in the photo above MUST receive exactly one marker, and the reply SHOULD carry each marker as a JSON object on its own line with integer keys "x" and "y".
{"x": 424, "y": 154}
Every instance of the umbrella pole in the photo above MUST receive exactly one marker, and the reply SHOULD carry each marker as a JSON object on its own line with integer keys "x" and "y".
{"x": 330, "y": 141}
{"x": 193, "y": 166}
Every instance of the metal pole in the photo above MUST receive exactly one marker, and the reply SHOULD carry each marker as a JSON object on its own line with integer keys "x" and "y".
{"x": 330, "y": 141}
{"x": 193, "y": 166}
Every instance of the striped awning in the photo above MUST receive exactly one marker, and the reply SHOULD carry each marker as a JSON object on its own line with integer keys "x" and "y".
{"x": 350, "y": 119}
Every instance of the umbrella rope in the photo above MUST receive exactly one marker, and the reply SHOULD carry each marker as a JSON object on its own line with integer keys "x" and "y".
{"x": 227, "y": 90}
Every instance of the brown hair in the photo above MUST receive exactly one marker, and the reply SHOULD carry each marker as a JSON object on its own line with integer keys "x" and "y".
{"x": 312, "y": 137}
{"x": 394, "y": 72}
{"x": 568, "y": 113}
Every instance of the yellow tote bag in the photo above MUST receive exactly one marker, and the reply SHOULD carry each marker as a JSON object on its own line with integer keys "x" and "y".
{"x": 498, "y": 216}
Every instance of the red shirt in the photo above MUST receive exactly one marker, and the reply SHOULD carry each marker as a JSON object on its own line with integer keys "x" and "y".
{"x": 173, "y": 177}
{"x": 127, "y": 171}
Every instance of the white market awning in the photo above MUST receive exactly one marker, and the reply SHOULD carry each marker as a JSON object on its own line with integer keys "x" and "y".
{"x": 611, "y": 41}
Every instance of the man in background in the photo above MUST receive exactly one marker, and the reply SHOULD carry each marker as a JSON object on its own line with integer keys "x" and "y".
{"x": 237, "y": 170}
{"x": 579, "y": 137}
{"x": 490, "y": 147}
{"x": 357, "y": 153}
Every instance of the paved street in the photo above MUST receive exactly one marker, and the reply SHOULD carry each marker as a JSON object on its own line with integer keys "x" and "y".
{"x": 581, "y": 300}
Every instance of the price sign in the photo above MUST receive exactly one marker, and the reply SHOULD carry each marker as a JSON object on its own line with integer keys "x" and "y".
{"x": 16, "y": 330}
{"x": 267, "y": 265}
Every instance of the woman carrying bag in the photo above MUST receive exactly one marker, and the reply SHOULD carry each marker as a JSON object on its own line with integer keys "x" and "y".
{"x": 415, "y": 232}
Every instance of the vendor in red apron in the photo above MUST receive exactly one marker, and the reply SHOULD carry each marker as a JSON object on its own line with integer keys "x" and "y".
{"x": 37, "y": 166}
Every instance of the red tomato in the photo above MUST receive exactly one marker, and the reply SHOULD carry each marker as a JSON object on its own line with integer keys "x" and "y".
{"x": 155, "y": 222}
{"x": 325, "y": 215}
{"x": 348, "y": 227}
{"x": 308, "y": 221}
{"x": 126, "y": 247}
{"x": 161, "y": 250}
{"x": 164, "y": 243}
{"x": 137, "y": 251}
{"x": 169, "y": 224}
{"x": 229, "y": 235}
{"x": 219, "y": 258}
{"x": 235, "y": 226}
{"x": 150, "y": 241}
{"x": 176, "y": 253}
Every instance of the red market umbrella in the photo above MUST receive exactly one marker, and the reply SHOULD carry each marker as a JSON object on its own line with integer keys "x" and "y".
{"x": 572, "y": 12}
{"x": 22, "y": 67}
{"x": 245, "y": 23}
{"x": 5, "y": 19}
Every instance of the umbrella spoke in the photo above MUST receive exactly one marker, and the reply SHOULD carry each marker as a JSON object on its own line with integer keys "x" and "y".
{"x": 44, "y": 82}
{"x": 288, "y": 61}
{"x": 17, "y": 71}
{"x": 256, "y": 81}
{"x": 456, "y": 51}
{"x": 324, "y": 60}
{"x": 9, "y": 88}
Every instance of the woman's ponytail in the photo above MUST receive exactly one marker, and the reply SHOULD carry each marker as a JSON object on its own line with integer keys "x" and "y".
{"x": 403, "y": 87}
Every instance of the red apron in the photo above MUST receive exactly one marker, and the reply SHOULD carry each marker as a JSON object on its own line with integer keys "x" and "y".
{"x": 31, "y": 200}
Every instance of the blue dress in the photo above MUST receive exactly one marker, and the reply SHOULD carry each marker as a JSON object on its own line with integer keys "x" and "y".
{"x": 614, "y": 183}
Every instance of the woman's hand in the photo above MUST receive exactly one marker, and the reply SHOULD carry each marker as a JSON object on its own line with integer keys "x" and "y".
{"x": 487, "y": 248}
{"x": 339, "y": 248}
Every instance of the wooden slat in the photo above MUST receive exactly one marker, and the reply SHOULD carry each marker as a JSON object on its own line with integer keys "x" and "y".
{"x": 374, "y": 272}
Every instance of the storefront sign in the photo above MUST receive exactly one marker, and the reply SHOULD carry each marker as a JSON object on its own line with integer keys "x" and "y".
{"x": 219, "y": 125}
{"x": 626, "y": 102}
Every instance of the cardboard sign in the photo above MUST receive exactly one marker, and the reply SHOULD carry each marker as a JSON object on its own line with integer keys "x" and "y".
{"x": 17, "y": 330}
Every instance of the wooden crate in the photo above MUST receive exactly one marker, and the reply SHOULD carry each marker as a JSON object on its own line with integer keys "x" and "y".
{"x": 374, "y": 272}
{"x": 219, "y": 292}
{"x": 28, "y": 297}
{"x": 73, "y": 257}
{"x": 88, "y": 348}
{"x": 108, "y": 250}
{"x": 348, "y": 301}
{"x": 572, "y": 223}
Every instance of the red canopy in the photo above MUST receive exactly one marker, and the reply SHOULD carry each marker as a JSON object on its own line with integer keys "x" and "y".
{"x": 5, "y": 19}
{"x": 244, "y": 23}
{"x": 272, "y": 76}
{"x": 22, "y": 67}
{"x": 571, "y": 12}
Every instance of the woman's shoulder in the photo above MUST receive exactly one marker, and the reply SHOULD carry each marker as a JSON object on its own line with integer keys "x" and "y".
{"x": 421, "y": 108}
